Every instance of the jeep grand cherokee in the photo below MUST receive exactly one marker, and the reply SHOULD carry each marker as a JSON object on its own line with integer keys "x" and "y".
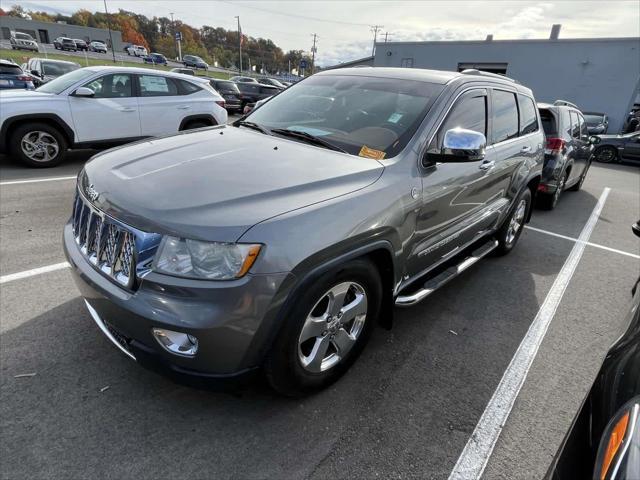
{"x": 278, "y": 242}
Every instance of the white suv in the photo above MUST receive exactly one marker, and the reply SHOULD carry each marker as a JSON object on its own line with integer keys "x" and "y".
{"x": 103, "y": 106}
{"x": 137, "y": 50}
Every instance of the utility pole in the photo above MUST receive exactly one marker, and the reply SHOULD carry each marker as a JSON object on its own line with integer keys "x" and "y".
{"x": 387, "y": 34}
{"x": 239, "y": 46}
{"x": 313, "y": 53}
{"x": 375, "y": 29}
{"x": 113, "y": 51}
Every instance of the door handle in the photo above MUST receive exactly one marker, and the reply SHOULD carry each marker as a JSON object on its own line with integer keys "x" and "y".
{"x": 184, "y": 107}
{"x": 127, "y": 109}
{"x": 487, "y": 164}
{"x": 525, "y": 149}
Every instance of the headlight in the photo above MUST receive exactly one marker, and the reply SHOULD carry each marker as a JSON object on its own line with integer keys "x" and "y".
{"x": 205, "y": 260}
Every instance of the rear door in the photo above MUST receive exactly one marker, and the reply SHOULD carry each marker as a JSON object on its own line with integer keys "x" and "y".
{"x": 112, "y": 113}
{"x": 164, "y": 103}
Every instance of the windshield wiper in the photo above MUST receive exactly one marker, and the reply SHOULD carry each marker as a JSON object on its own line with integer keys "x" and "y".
{"x": 309, "y": 138}
{"x": 253, "y": 125}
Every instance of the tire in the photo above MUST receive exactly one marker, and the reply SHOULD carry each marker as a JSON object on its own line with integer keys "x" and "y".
{"x": 292, "y": 368}
{"x": 48, "y": 140}
{"x": 606, "y": 155}
{"x": 578, "y": 186}
{"x": 549, "y": 201}
{"x": 511, "y": 229}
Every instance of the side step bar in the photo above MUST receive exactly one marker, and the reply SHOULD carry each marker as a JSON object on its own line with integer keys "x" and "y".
{"x": 449, "y": 274}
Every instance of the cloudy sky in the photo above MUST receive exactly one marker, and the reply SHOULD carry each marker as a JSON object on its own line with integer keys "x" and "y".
{"x": 343, "y": 26}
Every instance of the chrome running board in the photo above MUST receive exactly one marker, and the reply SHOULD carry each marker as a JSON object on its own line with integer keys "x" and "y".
{"x": 450, "y": 273}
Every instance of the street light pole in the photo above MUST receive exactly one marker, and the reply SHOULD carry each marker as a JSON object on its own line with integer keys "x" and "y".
{"x": 239, "y": 46}
{"x": 173, "y": 32}
{"x": 113, "y": 51}
{"x": 313, "y": 53}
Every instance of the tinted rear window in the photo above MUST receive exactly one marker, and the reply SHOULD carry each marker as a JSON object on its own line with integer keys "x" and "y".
{"x": 10, "y": 69}
{"x": 226, "y": 87}
{"x": 548, "y": 122}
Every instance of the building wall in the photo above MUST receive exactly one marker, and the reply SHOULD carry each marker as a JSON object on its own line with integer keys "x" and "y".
{"x": 38, "y": 30}
{"x": 599, "y": 75}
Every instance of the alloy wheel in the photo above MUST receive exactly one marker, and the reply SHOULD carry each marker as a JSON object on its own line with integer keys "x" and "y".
{"x": 332, "y": 327}
{"x": 606, "y": 155}
{"x": 516, "y": 222}
{"x": 39, "y": 146}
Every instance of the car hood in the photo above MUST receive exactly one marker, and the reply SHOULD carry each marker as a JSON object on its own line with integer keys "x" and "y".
{"x": 8, "y": 96}
{"x": 216, "y": 183}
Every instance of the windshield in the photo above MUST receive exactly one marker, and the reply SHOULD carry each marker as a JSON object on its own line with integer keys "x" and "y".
{"x": 57, "y": 69}
{"x": 593, "y": 119}
{"x": 225, "y": 86}
{"x": 60, "y": 84}
{"x": 366, "y": 116}
{"x": 23, "y": 36}
{"x": 10, "y": 69}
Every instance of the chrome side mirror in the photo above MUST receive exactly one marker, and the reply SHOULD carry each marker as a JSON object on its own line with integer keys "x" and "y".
{"x": 461, "y": 145}
{"x": 83, "y": 92}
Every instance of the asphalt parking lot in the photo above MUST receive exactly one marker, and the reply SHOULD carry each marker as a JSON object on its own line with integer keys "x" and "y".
{"x": 74, "y": 407}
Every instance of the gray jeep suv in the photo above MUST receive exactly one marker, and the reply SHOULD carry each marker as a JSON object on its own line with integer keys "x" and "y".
{"x": 279, "y": 242}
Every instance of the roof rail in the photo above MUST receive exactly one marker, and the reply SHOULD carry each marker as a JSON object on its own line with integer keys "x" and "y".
{"x": 564, "y": 103}
{"x": 475, "y": 71}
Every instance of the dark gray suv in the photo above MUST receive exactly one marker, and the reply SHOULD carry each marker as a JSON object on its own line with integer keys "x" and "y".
{"x": 280, "y": 241}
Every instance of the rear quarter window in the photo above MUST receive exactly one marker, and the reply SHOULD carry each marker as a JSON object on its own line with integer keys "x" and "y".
{"x": 528, "y": 116}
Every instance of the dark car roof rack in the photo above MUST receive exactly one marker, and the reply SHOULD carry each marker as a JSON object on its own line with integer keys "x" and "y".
{"x": 564, "y": 103}
{"x": 474, "y": 71}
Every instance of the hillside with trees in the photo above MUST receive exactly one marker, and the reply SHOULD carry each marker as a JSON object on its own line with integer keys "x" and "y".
{"x": 215, "y": 45}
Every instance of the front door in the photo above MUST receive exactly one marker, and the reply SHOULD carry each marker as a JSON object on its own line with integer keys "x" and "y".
{"x": 455, "y": 196}
{"x": 111, "y": 114}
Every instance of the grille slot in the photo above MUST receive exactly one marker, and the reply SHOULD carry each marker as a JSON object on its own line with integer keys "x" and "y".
{"x": 108, "y": 245}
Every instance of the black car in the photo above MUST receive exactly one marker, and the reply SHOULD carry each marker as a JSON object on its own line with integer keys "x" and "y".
{"x": 273, "y": 82}
{"x": 184, "y": 71}
{"x": 155, "y": 58}
{"x": 81, "y": 44}
{"x": 44, "y": 70}
{"x": 252, "y": 92}
{"x": 597, "y": 123}
{"x": 230, "y": 93}
{"x": 194, "y": 61}
{"x": 568, "y": 151}
{"x": 604, "y": 439}
{"x": 12, "y": 76}
{"x": 64, "y": 43}
{"x": 614, "y": 148}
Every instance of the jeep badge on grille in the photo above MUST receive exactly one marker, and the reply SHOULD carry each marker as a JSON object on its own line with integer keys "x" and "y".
{"x": 91, "y": 193}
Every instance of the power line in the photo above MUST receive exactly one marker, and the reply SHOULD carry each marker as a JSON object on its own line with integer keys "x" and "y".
{"x": 304, "y": 17}
{"x": 387, "y": 34}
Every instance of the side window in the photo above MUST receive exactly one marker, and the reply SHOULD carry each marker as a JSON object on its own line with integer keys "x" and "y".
{"x": 111, "y": 86}
{"x": 584, "y": 133}
{"x": 187, "y": 88}
{"x": 155, "y": 86}
{"x": 504, "y": 116}
{"x": 469, "y": 113}
{"x": 575, "y": 125}
{"x": 528, "y": 116}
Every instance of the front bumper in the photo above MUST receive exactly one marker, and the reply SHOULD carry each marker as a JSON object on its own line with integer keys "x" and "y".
{"x": 233, "y": 320}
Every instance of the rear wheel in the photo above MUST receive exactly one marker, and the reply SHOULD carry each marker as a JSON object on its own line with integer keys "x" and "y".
{"x": 38, "y": 145}
{"x": 326, "y": 330}
{"x": 606, "y": 154}
{"x": 511, "y": 229}
{"x": 548, "y": 201}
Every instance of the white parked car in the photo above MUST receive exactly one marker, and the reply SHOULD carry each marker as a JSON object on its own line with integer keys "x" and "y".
{"x": 137, "y": 50}
{"x": 103, "y": 106}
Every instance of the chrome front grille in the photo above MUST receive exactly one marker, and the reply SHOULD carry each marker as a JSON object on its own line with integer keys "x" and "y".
{"x": 107, "y": 244}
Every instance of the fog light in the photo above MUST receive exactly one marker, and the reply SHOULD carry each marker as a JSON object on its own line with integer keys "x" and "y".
{"x": 176, "y": 342}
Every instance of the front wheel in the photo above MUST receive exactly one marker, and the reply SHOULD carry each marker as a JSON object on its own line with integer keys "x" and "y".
{"x": 606, "y": 155}
{"x": 511, "y": 229}
{"x": 326, "y": 329}
{"x": 38, "y": 145}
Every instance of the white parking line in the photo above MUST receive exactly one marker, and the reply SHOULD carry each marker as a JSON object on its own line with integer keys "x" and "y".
{"x": 38, "y": 180}
{"x": 479, "y": 447}
{"x": 596, "y": 245}
{"x": 30, "y": 273}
